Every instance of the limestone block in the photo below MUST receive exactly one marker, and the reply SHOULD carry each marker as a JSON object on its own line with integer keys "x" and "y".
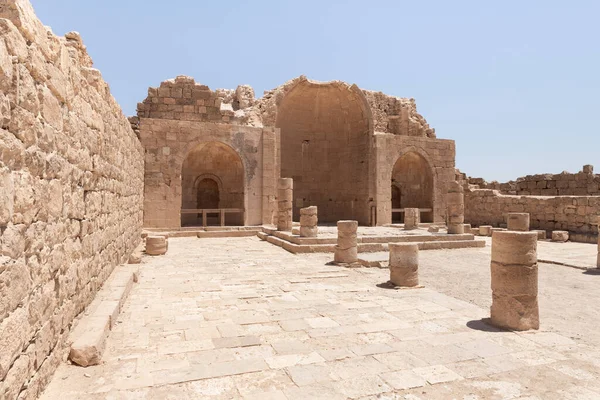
{"x": 485, "y": 230}
{"x": 518, "y": 222}
{"x": 309, "y": 231}
{"x": 7, "y": 195}
{"x": 412, "y": 218}
{"x": 560, "y": 236}
{"x": 541, "y": 234}
{"x": 433, "y": 229}
{"x": 467, "y": 228}
{"x": 404, "y": 264}
{"x": 156, "y": 245}
{"x": 346, "y": 250}
{"x": 285, "y": 204}
{"x": 91, "y": 339}
{"x": 475, "y": 231}
{"x": 514, "y": 272}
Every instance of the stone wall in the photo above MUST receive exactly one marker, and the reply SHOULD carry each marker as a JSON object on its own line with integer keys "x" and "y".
{"x": 437, "y": 155}
{"x": 71, "y": 186}
{"x": 583, "y": 183}
{"x": 397, "y": 115}
{"x": 169, "y": 143}
{"x": 326, "y": 131}
{"x": 576, "y": 214}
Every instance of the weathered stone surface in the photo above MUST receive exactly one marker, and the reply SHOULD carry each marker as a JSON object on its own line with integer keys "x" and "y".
{"x": 285, "y": 193}
{"x": 560, "y": 236}
{"x": 308, "y": 222}
{"x": 71, "y": 190}
{"x": 518, "y": 222}
{"x": 542, "y": 235}
{"x": 485, "y": 230}
{"x": 404, "y": 264}
{"x": 412, "y": 217}
{"x": 156, "y": 245}
{"x": 346, "y": 250}
{"x": 514, "y": 284}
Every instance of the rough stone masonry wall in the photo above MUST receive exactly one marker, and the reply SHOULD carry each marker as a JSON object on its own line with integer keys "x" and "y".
{"x": 583, "y": 183}
{"x": 71, "y": 187}
{"x": 576, "y": 214}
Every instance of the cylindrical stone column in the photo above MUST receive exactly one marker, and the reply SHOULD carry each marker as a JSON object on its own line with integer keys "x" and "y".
{"x": 517, "y": 222}
{"x": 346, "y": 250}
{"x": 412, "y": 218}
{"x": 156, "y": 245}
{"x": 285, "y": 202}
{"x": 404, "y": 264}
{"x": 455, "y": 203}
{"x": 308, "y": 222}
{"x": 598, "y": 257}
{"x": 514, "y": 280}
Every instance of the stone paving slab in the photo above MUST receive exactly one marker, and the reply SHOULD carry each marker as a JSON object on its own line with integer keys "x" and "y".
{"x": 239, "y": 318}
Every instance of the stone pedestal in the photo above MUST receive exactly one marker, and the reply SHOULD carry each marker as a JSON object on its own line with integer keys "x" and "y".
{"x": 285, "y": 202}
{"x": 485, "y": 230}
{"x": 455, "y": 201}
{"x": 515, "y": 280}
{"x": 404, "y": 264}
{"x": 541, "y": 233}
{"x": 518, "y": 222}
{"x": 560, "y": 236}
{"x": 412, "y": 218}
{"x": 346, "y": 250}
{"x": 308, "y": 222}
{"x": 156, "y": 245}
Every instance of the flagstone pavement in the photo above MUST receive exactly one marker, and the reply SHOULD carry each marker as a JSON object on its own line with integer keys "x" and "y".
{"x": 240, "y": 318}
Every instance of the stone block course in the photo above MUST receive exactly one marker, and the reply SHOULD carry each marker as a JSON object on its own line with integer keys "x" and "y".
{"x": 71, "y": 187}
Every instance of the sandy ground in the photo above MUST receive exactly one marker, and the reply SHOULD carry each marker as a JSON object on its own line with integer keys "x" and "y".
{"x": 569, "y": 298}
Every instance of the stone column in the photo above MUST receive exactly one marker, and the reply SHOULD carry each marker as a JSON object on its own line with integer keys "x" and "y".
{"x": 598, "y": 257}
{"x": 157, "y": 245}
{"x": 285, "y": 202}
{"x": 518, "y": 222}
{"x": 515, "y": 280}
{"x": 412, "y": 218}
{"x": 404, "y": 264}
{"x": 455, "y": 202}
{"x": 346, "y": 250}
{"x": 308, "y": 222}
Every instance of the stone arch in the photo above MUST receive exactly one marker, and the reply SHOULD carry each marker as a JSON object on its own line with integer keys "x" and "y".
{"x": 215, "y": 162}
{"x": 414, "y": 176}
{"x": 326, "y": 131}
{"x": 208, "y": 188}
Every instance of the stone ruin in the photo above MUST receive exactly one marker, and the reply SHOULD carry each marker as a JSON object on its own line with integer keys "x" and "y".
{"x": 78, "y": 180}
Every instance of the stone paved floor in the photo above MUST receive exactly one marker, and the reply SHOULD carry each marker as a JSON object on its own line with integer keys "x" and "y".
{"x": 241, "y": 318}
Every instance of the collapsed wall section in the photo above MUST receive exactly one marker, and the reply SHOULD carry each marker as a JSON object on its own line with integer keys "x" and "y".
{"x": 71, "y": 193}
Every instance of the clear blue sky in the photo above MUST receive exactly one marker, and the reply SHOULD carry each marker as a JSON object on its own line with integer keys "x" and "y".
{"x": 515, "y": 83}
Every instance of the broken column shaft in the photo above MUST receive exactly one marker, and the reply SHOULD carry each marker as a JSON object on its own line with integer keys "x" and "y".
{"x": 514, "y": 271}
{"x": 285, "y": 200}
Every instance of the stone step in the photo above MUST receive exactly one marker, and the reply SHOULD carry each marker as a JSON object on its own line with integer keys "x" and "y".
{"x": 88, "y": 338}
{"x": 381, "y": 259}
{"x": 222, "y": 234}
{"x": 367, "y": 247}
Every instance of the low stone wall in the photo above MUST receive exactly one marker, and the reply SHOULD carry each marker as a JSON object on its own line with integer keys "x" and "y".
{"x": 71, "y": 187}
{"x": 576, "y": 214}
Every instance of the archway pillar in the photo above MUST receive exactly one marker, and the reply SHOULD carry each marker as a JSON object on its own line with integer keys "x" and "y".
{"x": 168, "y": 142}
{"x": 438, "y": 153}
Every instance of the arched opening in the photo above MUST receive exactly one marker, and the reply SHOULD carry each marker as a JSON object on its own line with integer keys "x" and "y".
{"x": 396, "y": 204}
{"x": 212, "y": 178}
{"x": 413, "y": 178}
{"x": 325, "y": 143}
{"x": 207, "y": 193}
